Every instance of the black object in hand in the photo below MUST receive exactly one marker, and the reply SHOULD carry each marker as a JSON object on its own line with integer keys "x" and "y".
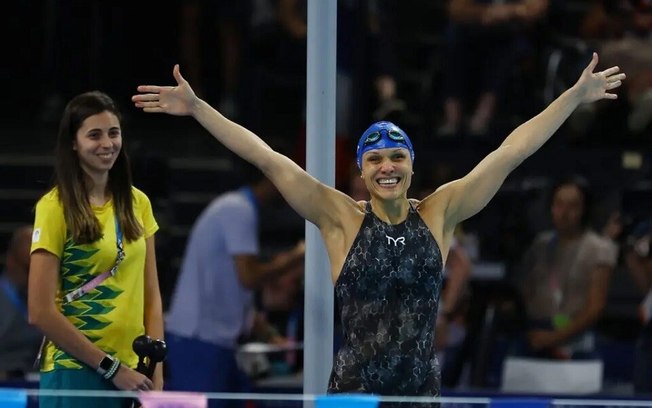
{"x": 159, "y": 351}
{"x": 142, "y": 346}
{"x": 154, "y": 350}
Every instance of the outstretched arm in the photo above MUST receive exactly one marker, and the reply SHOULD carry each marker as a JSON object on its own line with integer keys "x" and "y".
{"x": 471, "y": 193}
{"x": 311, "y": 199}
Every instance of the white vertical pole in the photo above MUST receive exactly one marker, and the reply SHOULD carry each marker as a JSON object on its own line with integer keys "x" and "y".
{"x": 320, "y": 162}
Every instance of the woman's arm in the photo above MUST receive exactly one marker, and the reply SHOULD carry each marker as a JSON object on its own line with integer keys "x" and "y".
{"x": 43, "y": 313}
{"x": 153, "y": 305}
{"x": 459, "y": 267}
{"x": 471, "y": 193}
{"x": 313, "y": 200}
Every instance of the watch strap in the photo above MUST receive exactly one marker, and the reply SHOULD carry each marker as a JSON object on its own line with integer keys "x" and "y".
{"x": 108, "y": 367}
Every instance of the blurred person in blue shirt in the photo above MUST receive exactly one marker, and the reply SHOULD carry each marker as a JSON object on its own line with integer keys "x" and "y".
{"x": 213, "y": 303}
{"x": 19, "y": 341}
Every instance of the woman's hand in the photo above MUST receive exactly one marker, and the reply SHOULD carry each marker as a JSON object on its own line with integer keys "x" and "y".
{"x": 543, "y": 339}
{"x": 592, "y": 86}
{"x": 177, "y": 100}
{"x": 131, "y": 380}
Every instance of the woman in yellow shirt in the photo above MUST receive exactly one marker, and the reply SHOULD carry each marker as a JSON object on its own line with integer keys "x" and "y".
{"x": 93, "y": 284}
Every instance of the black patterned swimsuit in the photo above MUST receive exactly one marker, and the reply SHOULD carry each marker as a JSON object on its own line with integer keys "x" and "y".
{"x": 388, "y": 293}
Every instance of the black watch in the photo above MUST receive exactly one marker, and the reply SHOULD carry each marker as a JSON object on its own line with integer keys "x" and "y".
{"x": 105, "y": 365}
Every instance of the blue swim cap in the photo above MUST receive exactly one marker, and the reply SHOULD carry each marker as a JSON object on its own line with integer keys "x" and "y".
{"x": 383, "y": 135}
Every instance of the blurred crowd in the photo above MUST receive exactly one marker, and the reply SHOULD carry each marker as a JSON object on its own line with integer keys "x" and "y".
{"x": 575, "y": 275}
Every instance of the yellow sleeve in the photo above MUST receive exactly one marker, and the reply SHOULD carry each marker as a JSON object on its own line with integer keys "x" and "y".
{"x": 49, "y": 225}
{"x": 143, "y": 208}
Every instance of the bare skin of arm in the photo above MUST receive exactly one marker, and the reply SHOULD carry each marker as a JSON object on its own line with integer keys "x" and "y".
{"x": 335, "y": 214}
{"x": 43, "y": 313}
{"x": 253, "y": 274}
{"x": 153, "y": 306}
{"x": 460, "y": 199}
{"x": 338, "y": 216}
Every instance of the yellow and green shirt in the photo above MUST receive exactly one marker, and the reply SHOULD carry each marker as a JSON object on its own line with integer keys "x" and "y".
{"x": 112, "y": 314}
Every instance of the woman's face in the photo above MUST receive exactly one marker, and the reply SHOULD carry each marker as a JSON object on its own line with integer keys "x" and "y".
{"x": 567, "y": 208}
{"x": 98, "y": 142}
{"x": 387, "y": 172}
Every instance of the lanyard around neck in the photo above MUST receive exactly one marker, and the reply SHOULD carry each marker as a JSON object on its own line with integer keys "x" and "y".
{"x": 93, "y": 283}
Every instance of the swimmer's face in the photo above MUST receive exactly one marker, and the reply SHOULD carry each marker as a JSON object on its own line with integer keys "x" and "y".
{"x": 387, "y": 173}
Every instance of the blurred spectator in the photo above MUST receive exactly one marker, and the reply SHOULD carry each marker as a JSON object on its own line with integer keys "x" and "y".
{"x": 282, "y": 305}
{"x": 638, "y": 258}
{"x": 229, "y": 19}
{"x": 451, "y": 326}
{"x": 366, "y": 55}
{"x": 278, "y": 69}
{"x": 484, "y": 37}
{"x": 19, "y": 341}
{"x": 190, "y": 45}
{"x": 79, "y": 36}
{"x": 613, "y": 228}
{"x": 565, "y": 277}
{"x": 622, "y": 31}
{"x": 636, "y": 255}
{"x": 212, "y": 306}
{"x": 366, "y": 71}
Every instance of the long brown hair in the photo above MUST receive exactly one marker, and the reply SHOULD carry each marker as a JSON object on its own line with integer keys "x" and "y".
{"x": 69, "y": 176}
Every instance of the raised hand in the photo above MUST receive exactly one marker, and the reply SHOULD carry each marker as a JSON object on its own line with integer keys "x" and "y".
{"x": 175, "y": 100}
{"x": 593, "y": 86}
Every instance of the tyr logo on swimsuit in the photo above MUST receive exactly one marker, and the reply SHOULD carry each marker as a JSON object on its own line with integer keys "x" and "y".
{"x": 396, "y": 241}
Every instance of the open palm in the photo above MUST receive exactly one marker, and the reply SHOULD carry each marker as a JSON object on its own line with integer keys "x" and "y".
{"x": 174, "y": 100}
{"x": 593, "y": 86}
